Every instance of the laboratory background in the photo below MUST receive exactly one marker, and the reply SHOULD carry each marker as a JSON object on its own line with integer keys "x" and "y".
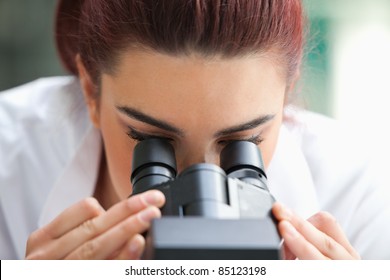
{"x": 345, "y": 75}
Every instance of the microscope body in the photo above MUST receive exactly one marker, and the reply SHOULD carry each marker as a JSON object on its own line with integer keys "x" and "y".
{"x": 210, "y": 212}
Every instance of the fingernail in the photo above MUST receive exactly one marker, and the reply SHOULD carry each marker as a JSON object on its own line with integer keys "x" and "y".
{"x": 290, "y": 230}
{"x": 135, "y": 246}
{"x": 153, "y": 197}
{"x": 286, "y": 213}
{"x": 148, "y": 214}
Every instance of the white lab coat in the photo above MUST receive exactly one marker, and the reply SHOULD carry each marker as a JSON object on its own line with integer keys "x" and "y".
{"x": 50, "y": 152}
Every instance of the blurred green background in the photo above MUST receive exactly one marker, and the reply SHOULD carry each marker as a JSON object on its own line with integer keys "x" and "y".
{"x": 347, "y": 55}
{"x": 27, "y": 49}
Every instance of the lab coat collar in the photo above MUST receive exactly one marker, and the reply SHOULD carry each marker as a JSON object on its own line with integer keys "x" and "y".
{"x": 289, "y": 177}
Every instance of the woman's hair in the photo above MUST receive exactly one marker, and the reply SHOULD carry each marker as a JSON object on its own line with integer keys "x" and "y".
{"x": 99, "y": 30}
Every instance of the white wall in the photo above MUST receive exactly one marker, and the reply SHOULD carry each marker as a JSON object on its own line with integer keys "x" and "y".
{"x": 361, "y": 69}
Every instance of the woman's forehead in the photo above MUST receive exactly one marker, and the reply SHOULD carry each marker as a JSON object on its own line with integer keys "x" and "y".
{"x": 184, "y": 79}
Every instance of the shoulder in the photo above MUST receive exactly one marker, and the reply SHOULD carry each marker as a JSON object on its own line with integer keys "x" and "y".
{"x": 328, "y": 145}
{"x": 335, "y": 154}
{"x": 39, "y": 113}
{"x": 34, "y": 100}
{"x": 41, "y": 123}
{"x": 39, "y": 104}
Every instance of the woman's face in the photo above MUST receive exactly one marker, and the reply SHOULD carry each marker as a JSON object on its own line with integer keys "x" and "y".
{"x": 199, "y": 104}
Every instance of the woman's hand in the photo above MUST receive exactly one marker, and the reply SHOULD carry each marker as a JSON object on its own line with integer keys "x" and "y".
{"x": 87, "y": 231}
{"x": 320, "y": 237}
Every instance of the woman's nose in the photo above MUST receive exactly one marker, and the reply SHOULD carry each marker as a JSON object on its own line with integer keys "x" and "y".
{"x": 195, "y": 156}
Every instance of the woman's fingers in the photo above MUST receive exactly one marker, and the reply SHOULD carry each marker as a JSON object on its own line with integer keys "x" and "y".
{"x": 110, "y": 219}
{"x": 306, "y": 241}
{"x": 133, "y": 249}
{"x": 72, "y": 217}
{"x": 297, "y": 244}
{"x": 41, "y": 243}
{"x": 326, "y": 223}
{"x": 115, "y": 238}
{"x": 81, "y": 224}
{"x": 128, "y": 207}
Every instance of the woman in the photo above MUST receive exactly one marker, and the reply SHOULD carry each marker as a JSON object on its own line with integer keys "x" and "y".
{"x": 200, "y": 74}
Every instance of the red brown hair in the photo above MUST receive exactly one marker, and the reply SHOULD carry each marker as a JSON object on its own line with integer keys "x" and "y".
{"x": 99, "y": 30}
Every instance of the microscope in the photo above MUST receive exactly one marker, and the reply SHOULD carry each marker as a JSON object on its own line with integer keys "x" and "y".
{"x": 211, "y": 212}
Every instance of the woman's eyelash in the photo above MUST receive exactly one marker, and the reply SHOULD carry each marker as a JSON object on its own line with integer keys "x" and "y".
{"x": 256, "y": 139}
{"x": 139, "y": 136}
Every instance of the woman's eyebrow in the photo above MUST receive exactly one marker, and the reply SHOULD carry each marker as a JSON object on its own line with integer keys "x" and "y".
{"x": 139, "y": 116}
{"x": 244, "y": 126}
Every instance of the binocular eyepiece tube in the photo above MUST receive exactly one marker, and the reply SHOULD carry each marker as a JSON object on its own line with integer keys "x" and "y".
{"x": 153, "y": 163}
